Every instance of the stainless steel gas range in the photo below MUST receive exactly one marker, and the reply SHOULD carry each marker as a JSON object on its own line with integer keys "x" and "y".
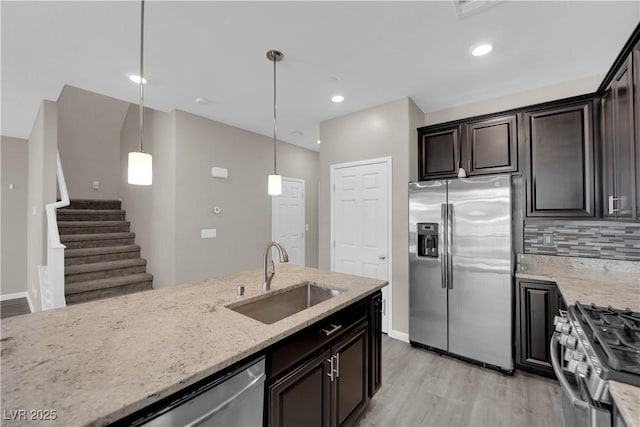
{"x": 591, "y": 346}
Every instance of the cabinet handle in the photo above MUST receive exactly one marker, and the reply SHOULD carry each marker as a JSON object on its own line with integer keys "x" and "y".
{"x": 611, "y": 205}
{"x": 330, "y": 374}
{"x": 332, "y": 330}
{"x": 337, "y": 365}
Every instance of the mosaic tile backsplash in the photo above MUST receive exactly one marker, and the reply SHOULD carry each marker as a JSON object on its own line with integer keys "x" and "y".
{"x": 587, "y": 239}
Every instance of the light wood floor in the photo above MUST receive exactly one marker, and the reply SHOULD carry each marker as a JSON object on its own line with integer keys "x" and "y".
{"x": 422, "y": 388}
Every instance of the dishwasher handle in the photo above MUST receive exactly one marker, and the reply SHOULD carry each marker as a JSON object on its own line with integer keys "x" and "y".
{"x": 257, "y": 380}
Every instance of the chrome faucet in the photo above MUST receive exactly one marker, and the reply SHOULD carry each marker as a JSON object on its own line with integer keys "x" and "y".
{"x": 284, "y": 257}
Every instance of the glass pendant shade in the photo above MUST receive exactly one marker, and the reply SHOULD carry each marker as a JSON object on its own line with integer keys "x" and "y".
{"x": 275, "y": 185}
{"x": 140, "y": 171}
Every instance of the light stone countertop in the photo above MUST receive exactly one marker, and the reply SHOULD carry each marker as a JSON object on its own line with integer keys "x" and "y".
{"x": 96, "y": 362}
{"x": 619, "y": 289}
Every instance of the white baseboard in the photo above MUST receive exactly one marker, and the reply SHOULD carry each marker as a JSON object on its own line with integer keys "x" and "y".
{"x": 400, "y": 336}
{"x": 17, "y": 295}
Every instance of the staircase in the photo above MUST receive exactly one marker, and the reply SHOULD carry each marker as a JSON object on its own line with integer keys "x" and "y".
{"x": 101, "y": 259}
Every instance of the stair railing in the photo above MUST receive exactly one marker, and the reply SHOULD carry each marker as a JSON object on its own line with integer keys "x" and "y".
{"x": 52, "y": 287}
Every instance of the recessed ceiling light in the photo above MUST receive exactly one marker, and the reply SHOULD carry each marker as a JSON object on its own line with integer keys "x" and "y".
{"x": 136, "y": 79}
{"x": 337, "y": 98}
{"x": 319, "y": 141}
{"x": 202, "y": 101}
{"x": 481, "y": 49}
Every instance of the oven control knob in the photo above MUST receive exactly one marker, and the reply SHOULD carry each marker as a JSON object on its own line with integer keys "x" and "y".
{"x": 566, "y": 329}
{"x": 583, "y": 370}
{"x": 559, "y": 319}
{"x": 572, "y": 342}
{"x": 578, "y": 356}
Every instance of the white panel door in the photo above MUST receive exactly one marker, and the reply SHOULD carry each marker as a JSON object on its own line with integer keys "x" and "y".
{"x": 288, "y": 220}
{"x": 360, "y": 222}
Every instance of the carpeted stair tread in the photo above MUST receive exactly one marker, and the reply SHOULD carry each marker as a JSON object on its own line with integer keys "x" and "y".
{"x": 90, "y": 215}
{"x": 85, "y": 227}
{"x": 96, "y": 236}
{"x": 112, "y": 282}
{"x": 80, "y": 252}
{"x": 100, "y": 253}
{"x": 102, "y": 266}
{"x": 94, "y": 204}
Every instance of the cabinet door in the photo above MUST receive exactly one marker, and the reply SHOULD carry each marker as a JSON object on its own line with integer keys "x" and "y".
{"x": 351, "y": 379}
{"x": 375, "y": 340}
{"x": 302, "y": 398}
{"x": 439, "y": 153}
{"x": 492, "y": 146}
{"x": 624, "y": 142}
{"x": 537, "y": 305}
{"x": 636, "y": 119}
{"x": 608, "y": 149}
{"x": 560, "y": 163}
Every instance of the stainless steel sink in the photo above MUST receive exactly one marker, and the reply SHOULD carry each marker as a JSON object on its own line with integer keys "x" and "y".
{"x": 278, "y": 305}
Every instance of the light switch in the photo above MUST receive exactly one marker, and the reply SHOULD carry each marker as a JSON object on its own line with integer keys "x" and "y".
{"x": 306, "y": 227}
{"x": 208, "y": 233}
{"x": 96, "y": 185}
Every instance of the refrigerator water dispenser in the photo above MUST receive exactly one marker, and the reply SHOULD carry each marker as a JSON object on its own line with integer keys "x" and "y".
{"x": 428, "y": 239}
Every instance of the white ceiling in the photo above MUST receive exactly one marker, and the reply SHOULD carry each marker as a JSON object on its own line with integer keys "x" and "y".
{"x": 371, "y": 52}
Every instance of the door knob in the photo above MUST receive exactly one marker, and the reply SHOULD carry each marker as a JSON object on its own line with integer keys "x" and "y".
{"x": 382, "y": 257}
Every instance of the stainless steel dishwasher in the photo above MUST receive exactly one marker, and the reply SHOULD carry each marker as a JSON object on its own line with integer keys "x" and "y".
{"x": 235, "y": 400}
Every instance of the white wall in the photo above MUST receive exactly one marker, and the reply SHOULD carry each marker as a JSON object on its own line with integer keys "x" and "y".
{"x": 13, "y": 254}
{"x": 384, "y": 130}
{"x": 89, "y": 127}
{"x": 43, "y": 146}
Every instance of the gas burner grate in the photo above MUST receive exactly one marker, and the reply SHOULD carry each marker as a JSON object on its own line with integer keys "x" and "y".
{"x": 618, "y": 334}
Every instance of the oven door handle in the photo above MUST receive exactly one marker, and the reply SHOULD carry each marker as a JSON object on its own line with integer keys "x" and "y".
{"x": 557, "y": 368}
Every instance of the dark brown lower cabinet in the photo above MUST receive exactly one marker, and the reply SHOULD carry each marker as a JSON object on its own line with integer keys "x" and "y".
{"x": 375, "y": 344}
{"x": 330, "y": 390}
{"x": 302, "y": 397}
{"x": 536, "y": 305}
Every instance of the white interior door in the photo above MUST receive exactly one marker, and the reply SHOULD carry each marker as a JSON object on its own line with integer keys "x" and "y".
{"x": 288, "y": 220}
{"x": 360, "y": 221}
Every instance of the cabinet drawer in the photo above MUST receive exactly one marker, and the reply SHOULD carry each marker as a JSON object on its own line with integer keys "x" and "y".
{"x": 294, "y": 349}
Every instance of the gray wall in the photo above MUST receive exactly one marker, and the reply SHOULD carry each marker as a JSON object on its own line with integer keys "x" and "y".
{"x": 43, "y": 145}
{"x": 152, "y": 209}
{"x": 244, "y": 225}
{"x": 13, "y": 254}
{"x": 381, "y": 131}
{"x": 89, "y": 142}
{"x": 522, "y": 99}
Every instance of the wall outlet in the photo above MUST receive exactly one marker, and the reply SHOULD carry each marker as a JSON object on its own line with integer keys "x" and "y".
{"x": 547, "y": 239}
{"x": 208, "y": 233}
{"x": 96, "y": 185}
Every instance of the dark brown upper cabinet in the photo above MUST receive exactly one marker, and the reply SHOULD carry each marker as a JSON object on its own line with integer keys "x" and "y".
{"x": 560, "y": 160}
{"x": 618, "y": 145}
{"x": 491, "y": 145}
{"x": 439, "y": 152}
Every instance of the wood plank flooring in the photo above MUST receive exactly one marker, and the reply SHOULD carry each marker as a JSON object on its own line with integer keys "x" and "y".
{"x": 14, "y": 307}
{"x": 422, "y": 388}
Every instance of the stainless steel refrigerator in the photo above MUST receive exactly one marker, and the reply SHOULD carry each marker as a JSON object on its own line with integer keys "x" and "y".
{"x": 460, "y": 267}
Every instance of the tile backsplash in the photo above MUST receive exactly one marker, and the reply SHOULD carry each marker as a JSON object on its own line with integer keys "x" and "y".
{"x": 587, "y": 239}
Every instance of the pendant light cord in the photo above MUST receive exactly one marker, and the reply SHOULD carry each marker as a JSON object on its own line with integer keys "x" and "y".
{"x": 141, "y": 73}
{"x": 274, "y": 116}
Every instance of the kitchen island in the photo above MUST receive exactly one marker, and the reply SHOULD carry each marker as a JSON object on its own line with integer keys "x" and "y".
{"x": 97, "y": 362}
{"x": 599, "y": 282}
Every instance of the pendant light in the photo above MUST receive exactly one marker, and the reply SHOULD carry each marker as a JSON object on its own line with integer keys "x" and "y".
{"x": 140, "y": 170}
{"x": 275, "y": 180}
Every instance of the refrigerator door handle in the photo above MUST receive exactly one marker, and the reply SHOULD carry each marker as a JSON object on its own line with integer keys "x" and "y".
{"x": 450, "y": 245}
{"x": 443, "y": 245}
